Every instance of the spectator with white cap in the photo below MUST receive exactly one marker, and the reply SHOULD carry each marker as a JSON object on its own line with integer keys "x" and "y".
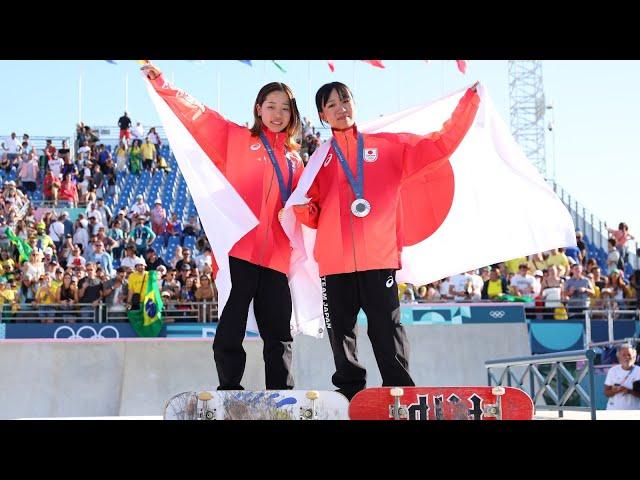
{"x": 139, "y": 208}
{"x": 49, "y": 257}
{"x": 158, "y": 218}
{"x": 538, "y": 275}
{"x": 125, "y": 224}
{"x": 136, "y": 282}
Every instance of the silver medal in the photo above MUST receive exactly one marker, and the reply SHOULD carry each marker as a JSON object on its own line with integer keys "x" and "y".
{"x": 360, "y": 207}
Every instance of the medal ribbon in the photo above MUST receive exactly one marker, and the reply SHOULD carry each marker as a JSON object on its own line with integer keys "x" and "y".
{"x": 285, "y": 193}
{"x": 357, "y": 184}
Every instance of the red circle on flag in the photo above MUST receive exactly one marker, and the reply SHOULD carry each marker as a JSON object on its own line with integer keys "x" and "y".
{"x": 425, "y": 203}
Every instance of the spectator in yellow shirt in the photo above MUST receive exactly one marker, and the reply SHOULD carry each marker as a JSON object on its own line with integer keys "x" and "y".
{"x": 6, "y": 294}
{"x": 8, "y": 264}
{"x": 148, "y": 154}
{"x": 513, "y": 265}
{"x": 136, "y": 284}
{"x": 45, "y": 298}
{"x": 560, "y": 260}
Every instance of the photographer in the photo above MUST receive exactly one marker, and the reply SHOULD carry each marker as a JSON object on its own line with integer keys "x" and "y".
{"x": 618, "y": 386}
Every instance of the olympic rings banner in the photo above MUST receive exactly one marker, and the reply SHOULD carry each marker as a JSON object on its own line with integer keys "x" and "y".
{"x": 456, "y": 314}
{"x": 70, "y": 331}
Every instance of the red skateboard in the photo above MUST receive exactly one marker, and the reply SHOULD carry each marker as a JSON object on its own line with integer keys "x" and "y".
{"x": 441, "y": 403}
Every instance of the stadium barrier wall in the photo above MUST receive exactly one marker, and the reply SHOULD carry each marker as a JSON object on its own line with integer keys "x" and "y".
{"x": 125, "y": 377}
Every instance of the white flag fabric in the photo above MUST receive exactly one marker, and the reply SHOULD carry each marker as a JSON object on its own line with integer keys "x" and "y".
{"x": 501, "y": 209}
{"x": 225, "y": 217}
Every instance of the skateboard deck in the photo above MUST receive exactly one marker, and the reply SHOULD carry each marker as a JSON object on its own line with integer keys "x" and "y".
{"x": 257, "y": 405}
{"x": 441, "y": 403}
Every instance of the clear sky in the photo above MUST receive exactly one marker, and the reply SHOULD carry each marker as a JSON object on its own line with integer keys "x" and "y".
{"x": 595, "y": 103}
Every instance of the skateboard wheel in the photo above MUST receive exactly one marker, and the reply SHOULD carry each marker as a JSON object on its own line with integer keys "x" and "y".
{"x": 307, "y": 414}
{"x": 204, "y": 396}
{"x": 208, "y": 415}
{"x": 313, "y": 395}
{"x": 396, "y": 392}
{"x": 497, "y": 391}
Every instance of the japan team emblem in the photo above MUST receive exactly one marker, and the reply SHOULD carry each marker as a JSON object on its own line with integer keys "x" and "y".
{"x": 255, "y": 146}
{"x": 370, "y": 154}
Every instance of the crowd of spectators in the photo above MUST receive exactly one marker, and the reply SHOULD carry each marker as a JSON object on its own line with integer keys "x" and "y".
{"x": 562, "y": 278}
{"x": 96, "y": 260}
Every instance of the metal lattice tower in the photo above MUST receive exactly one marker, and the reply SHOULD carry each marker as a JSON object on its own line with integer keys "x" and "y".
{"x": 527, "y": 104}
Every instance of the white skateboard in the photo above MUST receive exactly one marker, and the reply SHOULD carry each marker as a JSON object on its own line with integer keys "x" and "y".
{"x": 257, "y": 405}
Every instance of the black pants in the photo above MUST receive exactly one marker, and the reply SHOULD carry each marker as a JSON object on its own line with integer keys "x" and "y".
{"x": 271, "y": 297}
{"x": 376, "y": 292}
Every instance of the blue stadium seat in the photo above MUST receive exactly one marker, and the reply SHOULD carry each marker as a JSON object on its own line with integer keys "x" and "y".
{"x": 189, "y": 242}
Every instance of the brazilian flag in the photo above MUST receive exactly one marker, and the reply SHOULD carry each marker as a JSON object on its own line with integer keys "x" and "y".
{"x": 147, "y": 321}
{"x": 23, "y": 247}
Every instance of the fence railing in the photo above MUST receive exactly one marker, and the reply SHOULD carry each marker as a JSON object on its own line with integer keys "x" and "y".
{"x": 39, "y": 142}
{"x": 111, "y": 133}
{"x": 557, "y": 309}
{"x": 610, "y": 318}
{"x": 196, "y": 312}
{"x": 553, "y": 381}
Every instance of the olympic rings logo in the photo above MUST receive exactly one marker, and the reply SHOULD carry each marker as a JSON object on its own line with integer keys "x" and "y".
{"x": 497, "y": 313}
{"x": 94, "y": 334}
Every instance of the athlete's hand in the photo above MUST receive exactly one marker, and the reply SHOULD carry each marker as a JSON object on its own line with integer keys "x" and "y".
{"x": 151, "y": 71}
